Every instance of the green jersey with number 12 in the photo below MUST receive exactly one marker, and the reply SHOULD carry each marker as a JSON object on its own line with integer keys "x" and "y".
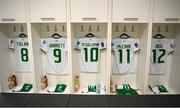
{"x": 56, "y": 50}
{"x": 124, "y": 54}
{"x": 21, "y": 54}
{"x": 90, "y": 53}
{"x": 161, "y": 48}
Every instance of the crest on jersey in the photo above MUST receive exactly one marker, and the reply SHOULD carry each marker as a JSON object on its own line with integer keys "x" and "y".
{"x": 44, "y": 41}
{"x": 78, "y": 43}
{"x": 136, "y": 45}
{"x": 12, "y": 41}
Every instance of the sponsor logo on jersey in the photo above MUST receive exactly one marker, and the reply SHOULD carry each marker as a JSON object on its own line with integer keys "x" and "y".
{"x": 171, "y": 46}
{"x": 102, "y": 44}
{"x": 136, "y": 45}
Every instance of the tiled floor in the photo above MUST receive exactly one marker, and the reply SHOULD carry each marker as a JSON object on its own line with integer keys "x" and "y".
{"x": 40, "y": 100}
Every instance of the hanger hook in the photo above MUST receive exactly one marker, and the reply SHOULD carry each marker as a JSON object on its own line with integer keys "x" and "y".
{"x": 98, "y": 28}
{"x": 47, "y": 28}
{"x": 90, "y": 29}
{"x": 159, "y": 29}
{"x": 167, "y": 29}
{"x": 22, "y": 29}
{"x": 14, "y": 28}
{"x": 117, "y": 28}
{"x": 63, "y": 28}
{"x": 132, "y": 29}
{"x": 82, "y": 28}
{"x": 124, "y": 29}
{"x": 55, "y": 28}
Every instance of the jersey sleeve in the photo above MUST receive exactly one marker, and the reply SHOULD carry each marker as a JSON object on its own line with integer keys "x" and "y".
{"x": 11, "y": 43}
{"x": 102, "y": 44}
{"x": 77, "y": 44}
{"x": 170, "y": 47}
{"x": 136, "y": 46}
{"x": 66, "y": 46}
{"x": 113, "y": 45}
{"x": 44, "y": 45}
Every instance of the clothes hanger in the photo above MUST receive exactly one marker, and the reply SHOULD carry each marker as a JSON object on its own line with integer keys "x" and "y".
{"x": 56, "y": 36}
{"x": 158, "y": 36}
{"x": 89, "y": 35}
{"x": 124, "y": 36}
{"x": 22, "y": 35}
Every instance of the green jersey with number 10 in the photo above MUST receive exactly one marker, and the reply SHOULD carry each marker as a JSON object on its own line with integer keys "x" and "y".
{"x": 21, "y": 54}
{"x": 90, "y": 53}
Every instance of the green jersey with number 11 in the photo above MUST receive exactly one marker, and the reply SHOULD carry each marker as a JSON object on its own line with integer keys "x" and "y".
{"x": 161, "y": 48}
{"x": 21, "y": 54}
{"x": 90, "y": 53}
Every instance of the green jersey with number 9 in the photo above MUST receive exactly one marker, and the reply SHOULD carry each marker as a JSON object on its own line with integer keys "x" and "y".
{"x": 21, "y": 54}
{"x": 160, "y": 49}
{"x": 90, "y": 53}
{"x": 56, "y": 51}
{"x": 124, "y": 55}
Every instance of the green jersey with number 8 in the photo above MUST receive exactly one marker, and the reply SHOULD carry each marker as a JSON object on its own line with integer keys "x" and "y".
{"x": 160, "y": 49}
{"x": 90, "y": 53}
{"x": 56, "y": 51}
{"x": 124, "y": 54}
{"x": 21, "y": 54}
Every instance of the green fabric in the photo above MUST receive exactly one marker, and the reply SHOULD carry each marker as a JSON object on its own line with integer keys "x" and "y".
{"x": 126, "y": 90}
{"x": 60, "y": 88}
{"x": 162, "y": 89}
{"x": 121, "y": 91}
{"x": 91, "y": 88}
{"x": 26, "y": 88}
